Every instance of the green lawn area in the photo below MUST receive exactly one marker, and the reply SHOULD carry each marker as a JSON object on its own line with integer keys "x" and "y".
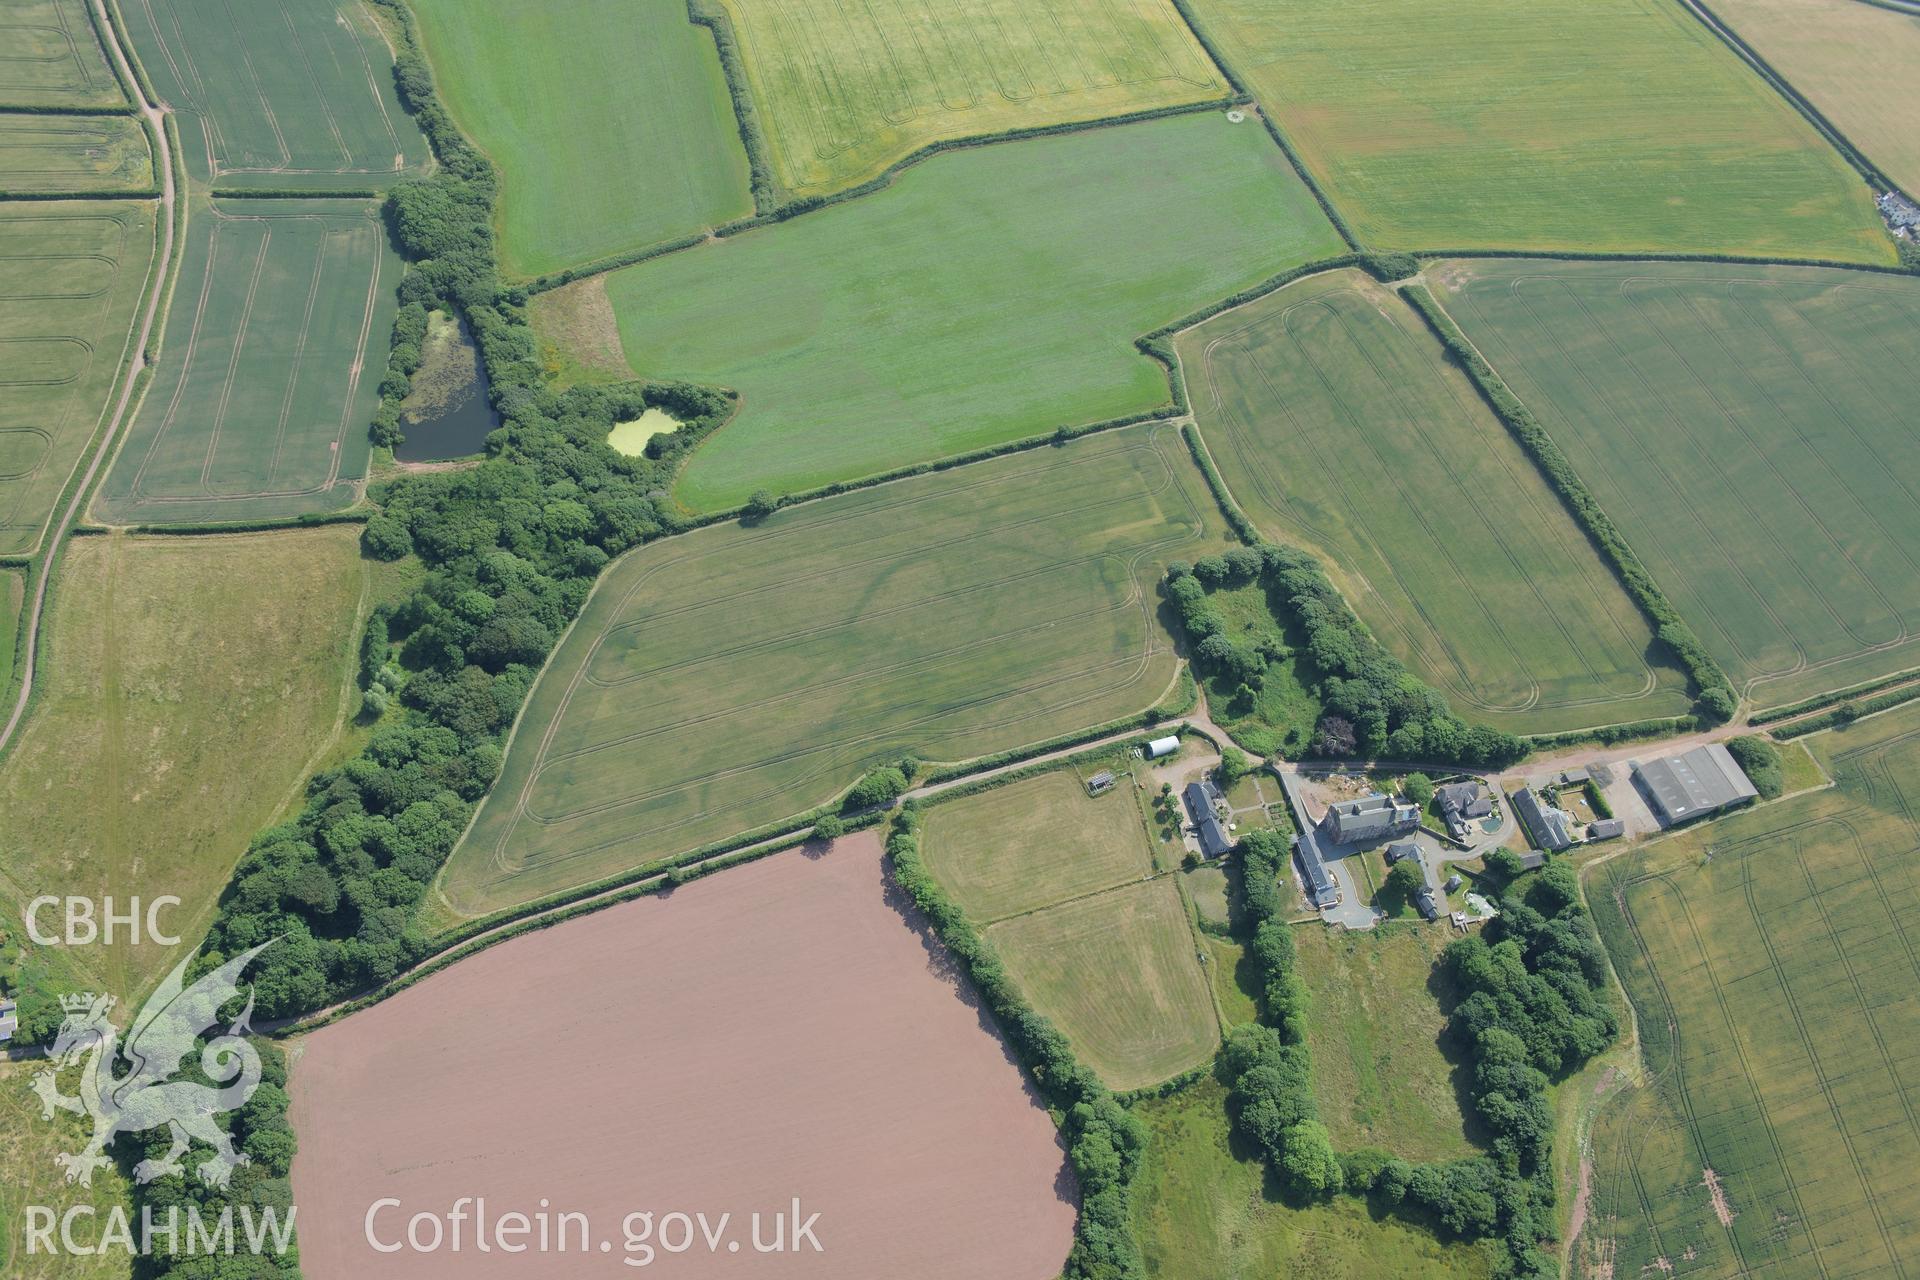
{"x": 843, "y": 91}
{"x": 1338, "y": 424}
{"x": 1749, "y": 430}
{"x": 741, "y": 675}
{"x": 652, "y": 153}
{"x": 1033, "y": 843}
{"x": 1201, "y": 1211}
{"x": 275, "y": 340}
{"x": 1119, "y": 974}
{"x": 985, "y": 296}
{"x": 1375, "y": 1033}
{"x": 1619, "y": 125}
{"x": 186, "y": 689}
{"x": 54, "y": 58}
{"x": 294, "y": 95}
{"x": 1770, "y": 960}
{"x": 71, "y": 277}
{"x": 72, "y": 154}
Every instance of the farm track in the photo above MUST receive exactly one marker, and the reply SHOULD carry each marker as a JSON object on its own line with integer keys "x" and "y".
{"x": 103, "y": 450}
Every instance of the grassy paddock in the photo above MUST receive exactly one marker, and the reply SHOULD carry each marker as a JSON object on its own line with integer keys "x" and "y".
{"x": 71, "y": 276}
{"x": 986, "y": 295}
{"x": 1771, "y": 963}
{"x": 274, "y": 346}
{"x": 1749, "y": 431}
{"x": 1032, "y": 843}
{"x": 1338, "y": 424}
{"x": 13, "y": 586}
{"x": 1376, "y": 1031}
{"x": 742, "y": 674}
{"x": 187, "y": 688}
{"x": 650, "y": 154}
{"x": 28, "y": 1176}
{"x": 54, "y": 58}
{"x": 844, "y": 92}
{"x": 74, "y": 154}
{"x": 277, "y": 95}
{"x": 1562, "y": 124}
{"x": 1202, "y": 1210}
{"x": 1842, "y": 55}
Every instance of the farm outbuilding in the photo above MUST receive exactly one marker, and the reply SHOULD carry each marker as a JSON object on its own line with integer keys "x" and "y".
{"x": 1162, "y": 747}
{"x": 1552, "y": 827}
{"x": 1693, "y": 784}
{"x": 1100, "y": 783}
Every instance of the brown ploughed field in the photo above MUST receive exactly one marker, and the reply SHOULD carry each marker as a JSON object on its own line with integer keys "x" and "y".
{"x": 779, "y": 1030}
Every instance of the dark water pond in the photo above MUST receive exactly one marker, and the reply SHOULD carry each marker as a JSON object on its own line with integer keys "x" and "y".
{"x": 448, "y": 414}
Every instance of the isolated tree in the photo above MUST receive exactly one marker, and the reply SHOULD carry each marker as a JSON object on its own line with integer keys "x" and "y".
{"x": 1405, "y": 878}
{"x": 1336, "y": 736}
{"x": 762, "y": 504}
{"x": 828, "y": 828}
{"x": 1418, "y": 788}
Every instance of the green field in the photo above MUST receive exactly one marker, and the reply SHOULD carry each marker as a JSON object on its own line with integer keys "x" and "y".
{"x": 13, "y": 586}
{"x": 1840, "y": 55}
{"x": 71, "y": 276}
{"x": 274, "y": 343}
{"x": 1202, "y": 1212}
{"x": 1119, "y": 973}
{"x": 1771, "y": 961}
{"x": 1338, "y": 424}
{"x": 1033, "y": 843}
{"x": 843, "y": 91}
{"x": 1749, "y": 429}
{"x": 295, "y": 94}
{"x": 1577, "y": 124}
{"x": 741, "y": 674}
{"x": 84, "y": 154}
{"x": 652, "y": 153}
{"x": 985, "y": 296}
{"x": 186, "y": 689}
{"x": 50, "y": 56}
{"x": 1375, "y": 1032}
{"x": 28, "y": 1176}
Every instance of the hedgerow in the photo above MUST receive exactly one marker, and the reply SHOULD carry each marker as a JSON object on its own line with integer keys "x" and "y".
{"x": 1846, "y": 713}
{"x": 1833, "y": 696}
{"x": 1716, "y": 699}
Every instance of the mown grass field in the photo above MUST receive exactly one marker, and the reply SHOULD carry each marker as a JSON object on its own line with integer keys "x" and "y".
{"x": 13, "y": 591}
{"x": 1749, "y": 429}
{"x": 28, "y": 1176}
{"x": 1202, "y": 1211}
{"x": 985, "y": 296}
{"x": 741, "y": 675}
{"x": 1119, "y": 973}
{"x": 186, "y": 689}
{"x": 71, "y": 277}
{"x": 278, "y": 95}
{"x": 81, "y": 154}
{"x": 274, "y": 345}
{"x": 1380, "y": 1072}
{"x": 1338, "y": 423}
{"x": 843, "y": 91}
{"x": 1580, "y": 124}
{"x": 53, "y": 57}
{"x": 1842, "y": 55}
{"x": 651, "y": 154}
{"x": 1033, "y": 843}
{"x": 1771, "y": 961}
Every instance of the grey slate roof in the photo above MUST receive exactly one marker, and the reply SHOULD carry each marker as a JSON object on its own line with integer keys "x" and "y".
{"x": 1371, "y": 817}
{"x": 1551, "y": 828}
{"x": 1693, "y": 784}
{"x": 1465, "y": 800}
{"x": 1606, "y": 829}
{"x": 1310, "y": 857}
{"x": 1429, "y": 909}
{"x": 1532, "y": 860}
{"x": 1402, "y": 849}
{"x": 1206, "y": 823}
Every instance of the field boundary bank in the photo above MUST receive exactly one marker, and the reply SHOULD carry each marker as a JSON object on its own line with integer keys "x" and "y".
{"x": 795, "y": 208}
{"x": 762, "y": 187}
{"x": 1845, "y": 714}
{"x": 1794, "y": 710}
{"x": 1827, "y": 129}
{"x": 57, "y": 109}
{"x": 1735, "y": 259}
{"x": 1187, "y": 15}
{"x": 1712, "y": 686}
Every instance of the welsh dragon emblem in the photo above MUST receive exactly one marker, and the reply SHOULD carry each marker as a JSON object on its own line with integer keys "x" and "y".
{"x": 129, "y": 1088}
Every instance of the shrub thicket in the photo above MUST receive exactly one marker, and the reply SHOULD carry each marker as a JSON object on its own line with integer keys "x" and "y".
{"x": 1759, "y": 759}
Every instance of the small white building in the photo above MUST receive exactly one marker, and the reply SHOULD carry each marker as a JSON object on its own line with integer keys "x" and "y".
{"x": 1163, "y": 746}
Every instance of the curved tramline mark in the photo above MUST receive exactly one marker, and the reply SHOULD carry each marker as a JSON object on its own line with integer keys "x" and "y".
{"x": 31, "y": 617}
{"x": 219, "y": 416}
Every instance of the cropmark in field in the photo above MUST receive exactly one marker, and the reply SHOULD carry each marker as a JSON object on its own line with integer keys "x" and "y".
{"x": 843, "y": 91}
{"x": 1338, "y": 423}
{"x": 293, "y": 94}
{"x": 260, "y": 409}
{"x": 71, "y": 277}
{"x": 1750, "y": 430}
{"x": 50, "y": 56}
{"x": 651, "y": 154}
{"x": 1064, "y": 885}
{"x": 84, "y": 155}
{"x": 186, "y": 688}
{"x": 1619, "y": 125}
{"x": 1772, "y": 963}
{"x": 985, "y": 296}
{"x": 740, "y": 675}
